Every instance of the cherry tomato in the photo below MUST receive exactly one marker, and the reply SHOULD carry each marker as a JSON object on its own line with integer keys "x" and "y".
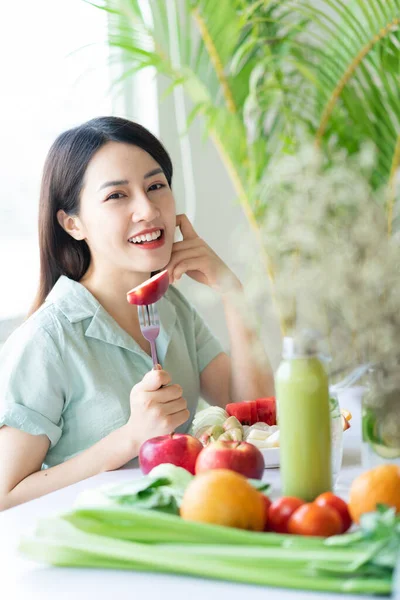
{"x": 329, "y": 499}
{"x": 267, "y": 504}
{"x": 280, "y": 512}
{"x": 311, "y": 519}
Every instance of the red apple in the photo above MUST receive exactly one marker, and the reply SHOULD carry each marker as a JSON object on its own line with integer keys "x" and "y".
{"x": 178, "y": 449}
{"x": 241, "y": 457}
{"x": 149, "y": 291}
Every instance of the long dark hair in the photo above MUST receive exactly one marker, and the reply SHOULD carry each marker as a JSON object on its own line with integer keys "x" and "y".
{"x": 64, "y": 171}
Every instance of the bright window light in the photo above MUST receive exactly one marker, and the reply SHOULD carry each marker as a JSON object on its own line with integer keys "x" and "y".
{"x": 54, "y": 76}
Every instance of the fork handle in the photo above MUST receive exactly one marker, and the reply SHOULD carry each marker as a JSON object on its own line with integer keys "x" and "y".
{"x": 154, "y": 353}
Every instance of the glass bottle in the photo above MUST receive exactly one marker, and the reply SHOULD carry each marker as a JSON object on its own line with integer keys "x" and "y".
{"x": 381, "y": 418}
{"x": 302, "y": 394}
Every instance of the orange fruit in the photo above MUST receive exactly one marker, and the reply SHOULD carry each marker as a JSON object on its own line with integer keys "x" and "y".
{"x": 377, "y": 486}
{"x": 223, "y": 497}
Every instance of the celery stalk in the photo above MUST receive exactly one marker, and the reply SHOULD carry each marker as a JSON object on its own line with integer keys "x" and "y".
{"x": 77, "y": 548}
{"x": 152, "y": 526}
{"x": 113, "y": 538}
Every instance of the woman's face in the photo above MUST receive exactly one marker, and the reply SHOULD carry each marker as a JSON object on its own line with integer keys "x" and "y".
{"x": 127, "y": 214}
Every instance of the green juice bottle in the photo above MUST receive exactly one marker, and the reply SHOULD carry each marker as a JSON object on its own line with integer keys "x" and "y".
{"x": 302, "y": 395}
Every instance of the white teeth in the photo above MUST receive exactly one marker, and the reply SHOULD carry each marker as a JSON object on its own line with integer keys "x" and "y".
{"x": 148, "y": 237}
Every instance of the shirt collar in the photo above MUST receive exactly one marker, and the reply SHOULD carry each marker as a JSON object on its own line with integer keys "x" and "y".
{"x": 73, "y": 299}
{"x": 78, "y": 304}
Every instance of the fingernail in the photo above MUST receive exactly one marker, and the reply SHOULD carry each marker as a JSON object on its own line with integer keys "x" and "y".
{"x": 157, "y": 367}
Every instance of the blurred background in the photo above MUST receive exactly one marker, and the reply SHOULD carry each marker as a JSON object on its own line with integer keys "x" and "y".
{"x": 55, "y": 74}
{"x": 59, "y": 76}
{"x": 230, "y": 87}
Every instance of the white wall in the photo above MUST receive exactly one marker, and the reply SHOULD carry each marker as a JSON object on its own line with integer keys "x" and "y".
{"x": 54, "y": 76}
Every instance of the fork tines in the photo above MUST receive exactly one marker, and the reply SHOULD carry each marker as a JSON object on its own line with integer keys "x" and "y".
{"x": 148, "y": 315}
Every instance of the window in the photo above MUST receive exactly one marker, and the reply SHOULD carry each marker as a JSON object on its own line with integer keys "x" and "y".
{"x": 54, "y": 71}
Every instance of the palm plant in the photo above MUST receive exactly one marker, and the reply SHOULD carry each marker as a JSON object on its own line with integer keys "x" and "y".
{"x": 339, "y": 79}
{"x": 266, "y": 73}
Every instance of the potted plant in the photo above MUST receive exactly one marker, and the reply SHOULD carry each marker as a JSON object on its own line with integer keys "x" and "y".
{"x": 262, "y": 75}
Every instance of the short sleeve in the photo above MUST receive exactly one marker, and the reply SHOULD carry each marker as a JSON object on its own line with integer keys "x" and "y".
{"x": 207, "y": 345}
{"x": 32, "y": 389}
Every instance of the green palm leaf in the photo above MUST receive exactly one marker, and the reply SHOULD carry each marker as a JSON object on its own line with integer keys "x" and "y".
{"x": 266, "y": 73}
{"x": 344, "y": 79}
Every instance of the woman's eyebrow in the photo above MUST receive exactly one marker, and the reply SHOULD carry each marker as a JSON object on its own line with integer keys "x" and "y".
{"x": 113, "y": 183}
{"x": 125, "y": 181}
{"x": 153, "y": 172}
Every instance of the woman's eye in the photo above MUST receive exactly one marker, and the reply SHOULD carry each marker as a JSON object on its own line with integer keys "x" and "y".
{"x": 156, "y": 186}
{"x": 115, "y": 196}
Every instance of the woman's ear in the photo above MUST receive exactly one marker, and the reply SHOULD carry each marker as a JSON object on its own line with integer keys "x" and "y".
{"x": 71, "y": 225}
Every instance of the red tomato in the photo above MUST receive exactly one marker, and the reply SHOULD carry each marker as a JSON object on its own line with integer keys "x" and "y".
{"x": 267, "y": 504}
{"x": 280, "y": 512}
{"x": 329, "y": 499}
{"x": 311, "y": 519}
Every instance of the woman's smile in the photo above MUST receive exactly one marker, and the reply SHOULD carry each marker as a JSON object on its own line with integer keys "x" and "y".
{"x": 148, "y": 239}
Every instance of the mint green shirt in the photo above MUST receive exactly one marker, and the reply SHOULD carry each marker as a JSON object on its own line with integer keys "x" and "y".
{"x": 67, "y": 372}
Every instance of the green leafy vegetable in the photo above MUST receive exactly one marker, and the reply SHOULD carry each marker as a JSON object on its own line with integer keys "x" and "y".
{"x": 125, "y": 538}
{"x": 162, "y": 489}
{"x": 381, "y": 529}
{"x": 261, "y": 486}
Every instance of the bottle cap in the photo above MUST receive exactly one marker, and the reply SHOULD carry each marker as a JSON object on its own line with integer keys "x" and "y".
{"x": 302, "y": 345}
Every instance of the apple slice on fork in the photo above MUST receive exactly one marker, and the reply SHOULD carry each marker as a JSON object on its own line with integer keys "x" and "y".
{"x": 150, "y": 291}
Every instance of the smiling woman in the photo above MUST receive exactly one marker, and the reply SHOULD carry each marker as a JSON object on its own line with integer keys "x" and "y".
{"x": 107, "y": 221}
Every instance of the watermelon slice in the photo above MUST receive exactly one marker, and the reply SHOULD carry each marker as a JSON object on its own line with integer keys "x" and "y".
{"x": 266, "y": 410}
{"x": 245, "y": 412}
{"x": 240, "y": 410}
{"x": 253, "y": 412}
{"x": 262, "y": 410}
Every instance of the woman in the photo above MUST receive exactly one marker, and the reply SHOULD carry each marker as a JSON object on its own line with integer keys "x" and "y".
{"x": 77, "y": 389}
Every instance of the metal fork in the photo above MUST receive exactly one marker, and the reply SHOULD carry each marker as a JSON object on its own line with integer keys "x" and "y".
{"x": 149, "y": 322}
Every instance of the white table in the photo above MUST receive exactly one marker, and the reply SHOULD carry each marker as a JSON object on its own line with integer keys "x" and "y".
{"x": 26, "y": 580}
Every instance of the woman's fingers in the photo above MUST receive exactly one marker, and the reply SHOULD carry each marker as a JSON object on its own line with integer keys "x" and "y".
{"x": 175, "y": 406}
{"x": 189, "y": 264}
{"x": 168, "y": 394}
{"x": 186, "y": 227}
{"x": 188, "y": 243}
{"x": 153, "y": 380}
{"x": 178, "y": 419}
{"x": 178, "y": 257}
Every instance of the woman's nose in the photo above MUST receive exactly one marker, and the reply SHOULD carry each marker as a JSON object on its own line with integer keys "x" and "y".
{"x": 144, "y": 209}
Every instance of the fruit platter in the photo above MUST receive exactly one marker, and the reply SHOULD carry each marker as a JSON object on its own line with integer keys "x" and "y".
{"x": 254, "y": 422}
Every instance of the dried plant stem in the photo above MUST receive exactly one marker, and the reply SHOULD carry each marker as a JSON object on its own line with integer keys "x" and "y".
{"x": 243, "y": 197}
{"x": 245, "y": 203}
{"x": 216, "y": 61}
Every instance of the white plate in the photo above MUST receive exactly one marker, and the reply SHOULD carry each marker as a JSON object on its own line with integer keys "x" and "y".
{"x": 271, "y": 457}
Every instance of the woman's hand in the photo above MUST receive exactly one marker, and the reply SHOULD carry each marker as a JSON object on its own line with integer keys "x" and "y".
{"x": 157, "y": 408}
{"x": 195, "y": 258}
